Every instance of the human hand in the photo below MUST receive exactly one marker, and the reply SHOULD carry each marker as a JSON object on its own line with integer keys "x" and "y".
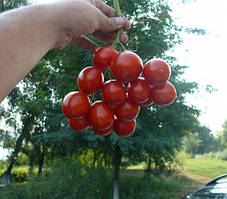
{"x": 88, "y": 17}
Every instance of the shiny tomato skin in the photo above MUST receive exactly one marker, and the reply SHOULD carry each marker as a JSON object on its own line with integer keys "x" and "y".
{"x": 138, "y": 91}
{"x": 150, "y": 99}
{"x": 100, "y": 115}
{"x": 164, "y": 95}
{"x": 126, "y": 66}
{"x": 156, "y": 72}
{"x": 75, "y": 104}
{"x": 127, "y": 111}
{"x": 148, "y": 102}
{"x": 79, "y": 124}
{"x": 104, "y": 132}
{"x": 103, "y": 56}
{"x": 90, "y": 80}
{"x": 124, "y": 128}
{"x": 113, "y": 92}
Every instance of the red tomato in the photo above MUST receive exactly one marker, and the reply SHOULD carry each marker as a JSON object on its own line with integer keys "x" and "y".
{"x": 79, "y": 124}
{"x": 138, "y": 91}
{"x": 150, "y": 99}
{"x": 100, "y": 115}
{"x": 124, "y": 128}
{"x": 127, "y": 110}
{"x": 90, "y": 80}
{"x": 103, "y": 57}
{"x": 126, "y": 66}
{"x": 164, "y": 95}
{"x": 75, "y": 105}
{"x": 113, "y": 92}
{"x": 104, "y": 132}
{"x": 156, "y": 72}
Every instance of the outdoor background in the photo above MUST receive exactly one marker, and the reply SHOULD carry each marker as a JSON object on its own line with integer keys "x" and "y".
{"x": 174, "y": 149}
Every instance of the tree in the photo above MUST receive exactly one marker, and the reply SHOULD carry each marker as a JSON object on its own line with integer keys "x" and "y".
{"x": 222, "y": 140}
{"x": 191, "y": 144}
{"x": 208, "y": 141}
{"x": 159, "y": 129}
{"x": 6, "y": 5}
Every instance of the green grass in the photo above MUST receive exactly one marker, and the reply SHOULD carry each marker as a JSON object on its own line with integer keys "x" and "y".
{"x": 69, "y": 179}
{"x": 205, "y": 167}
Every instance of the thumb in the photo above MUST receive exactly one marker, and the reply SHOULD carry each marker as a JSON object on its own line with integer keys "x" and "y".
{"x": 111, "y": 24}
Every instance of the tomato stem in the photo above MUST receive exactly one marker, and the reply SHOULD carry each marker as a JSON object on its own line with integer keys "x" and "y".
{"x": 109, "y": 74}
{"x": 118, "y": 13}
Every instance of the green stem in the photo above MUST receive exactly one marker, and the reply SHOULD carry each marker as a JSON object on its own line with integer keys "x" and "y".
{"x": 118, "y": 13}
{"x": 117, "y": 7}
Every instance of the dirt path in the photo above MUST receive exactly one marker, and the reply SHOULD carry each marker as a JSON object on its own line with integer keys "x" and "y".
{"x": 197, "y": 178}
{"x": 192, "y": 181}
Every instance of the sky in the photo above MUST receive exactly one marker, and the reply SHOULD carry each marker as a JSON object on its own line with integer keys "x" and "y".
{"x": 204, "y": 54}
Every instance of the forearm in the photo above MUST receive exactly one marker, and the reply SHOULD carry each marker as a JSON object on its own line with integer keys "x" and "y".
{"x": 26, "y": 35}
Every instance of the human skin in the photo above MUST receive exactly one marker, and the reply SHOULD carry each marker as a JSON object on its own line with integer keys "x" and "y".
{"x": 28, "y": 33}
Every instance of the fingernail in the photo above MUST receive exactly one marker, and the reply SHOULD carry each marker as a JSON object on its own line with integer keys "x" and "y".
{"x": 119, "y": 21}
{"x": 123, "y": 38}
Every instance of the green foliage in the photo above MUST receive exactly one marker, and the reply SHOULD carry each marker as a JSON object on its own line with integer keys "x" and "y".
{"x": 10, "y": 4}
{"x": 191, "y": 144}
{"x": 208, "y": 141}
{"x": 21, "y": 174}
{"x": 222, "y": 138}
{"x": 70, "y": 179}
{"x": 222, "y": 155}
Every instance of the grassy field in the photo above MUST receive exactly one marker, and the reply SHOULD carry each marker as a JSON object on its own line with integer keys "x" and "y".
{"x": 193, "y": 174}
{"x": 210, "y": 168}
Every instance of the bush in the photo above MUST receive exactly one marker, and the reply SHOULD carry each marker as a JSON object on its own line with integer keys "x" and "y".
{"x": 222, "y": 155}
{"x": 20, "y": 174}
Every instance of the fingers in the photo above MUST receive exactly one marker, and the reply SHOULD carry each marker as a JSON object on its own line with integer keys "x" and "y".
{"x": 107, "y": 10}
{"x": 85, "y": 43}
{"x": 110, "y": 12}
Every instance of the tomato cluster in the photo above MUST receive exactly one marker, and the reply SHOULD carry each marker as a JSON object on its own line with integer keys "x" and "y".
{"x": 133, "y": 86}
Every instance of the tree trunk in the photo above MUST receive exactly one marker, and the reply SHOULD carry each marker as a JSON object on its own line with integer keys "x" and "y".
{"x": 148, "y": 170}
{"x": 6, "y": 178}
{"x": 94, "y": 158}
{"x": 116, "y": 163}
{"x": 31, "y": 163}
{"x": 41, "y": 160}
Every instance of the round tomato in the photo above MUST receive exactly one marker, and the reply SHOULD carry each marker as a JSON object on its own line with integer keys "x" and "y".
{"x": 90, "y": 80}
{"x": 127, "y": 110}
{"x": 126, "y": 66}
{"x": 156, "y": 72}
{"x": 75, "y": 105}
{"x": 124, "y": 128}
{"x": 164, "y": 95}
{"x": 138, "y": 91}
{"x": 113, "y": 92}
{"x": 104, "y": 132}
{"x": 79, "y": 124}
{"x": 103, "y": 57}
{"x": 100, "y": 115}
